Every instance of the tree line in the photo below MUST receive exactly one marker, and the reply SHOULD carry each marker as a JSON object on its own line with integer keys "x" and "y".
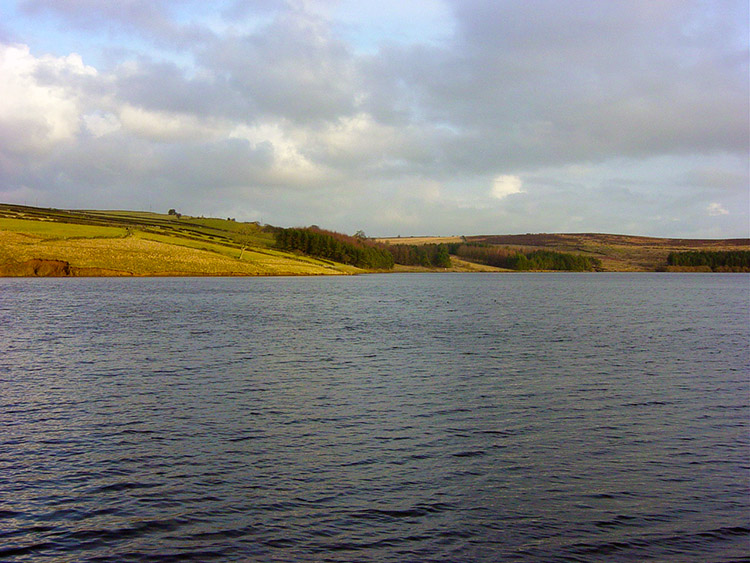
{"x": 503, "y": 257}
{"x": 338, "y": 247}
{"x": 364, "y": 253}
{"x": 715, "y": 260}
{"x": 427, "y": 255}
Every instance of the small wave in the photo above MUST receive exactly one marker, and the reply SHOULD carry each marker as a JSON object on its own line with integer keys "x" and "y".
{"x": 242, "y": 438}
{"x": 609, "y": 548}
{"x": 117, "y": 487}
{"x": 609, "y": 495}
{"x": 460, "y": 534}
{"x": 415, "y": 512}
{"x": 280, "y": 542}
{"x": 134, "y": 431}
{"x": 223, "y": 534}
{"x": 617, "y": 521}
{"x": 284, "y": 506}
{"x": 15, "y": 551}
{"x": 316, "y": 500}
{"x": 472, "y": 453}
{"x": 201, "y": 556}
{"x": 97, "y": 537}
{"x": 369, "y": 461}
{"x": 647, "y": 404}
{"x": 675, "y": 544}
{"x": 453, "y": 410}
{"x": 36, "y": 529}
{"x": 726, "y": 532}
{"x": 498, "y": 432}
{"x": 385, "y": 542}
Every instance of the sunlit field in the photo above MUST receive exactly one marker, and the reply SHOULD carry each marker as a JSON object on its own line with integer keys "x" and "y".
{"x": 152, "y": 250}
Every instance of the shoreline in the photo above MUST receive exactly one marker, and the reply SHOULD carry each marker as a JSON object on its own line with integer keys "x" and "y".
{"x": 49, "y": 268}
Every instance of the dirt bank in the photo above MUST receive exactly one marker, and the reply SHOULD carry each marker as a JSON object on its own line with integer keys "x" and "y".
{"x": 41, "y": 267}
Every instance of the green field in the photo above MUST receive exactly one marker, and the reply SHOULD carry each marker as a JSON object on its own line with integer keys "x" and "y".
{"x": 50, "y": 230}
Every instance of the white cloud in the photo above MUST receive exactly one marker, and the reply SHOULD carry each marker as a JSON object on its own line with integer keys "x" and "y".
{"x": 358, "y": 135}
{"x": 166, "y": 126}
{"x": 716, "y": 209}
{"x": 34, "y": 114}
{"x": 100, "y": 124}
{"x": 290, "y": 166}
{"x": 505, "y": 185}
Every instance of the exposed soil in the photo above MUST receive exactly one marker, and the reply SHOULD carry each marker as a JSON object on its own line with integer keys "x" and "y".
{"x": 36, "y": 267}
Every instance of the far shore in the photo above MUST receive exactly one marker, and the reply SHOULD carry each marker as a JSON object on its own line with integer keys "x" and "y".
{"x": 42, "y": 242}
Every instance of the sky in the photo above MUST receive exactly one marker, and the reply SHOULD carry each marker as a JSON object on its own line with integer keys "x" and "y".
{"x": 395, "y": 117}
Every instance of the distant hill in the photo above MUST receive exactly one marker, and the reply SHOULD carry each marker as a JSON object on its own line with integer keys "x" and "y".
{"x": 52, "y": 242}
{"x": 617, "y": 253}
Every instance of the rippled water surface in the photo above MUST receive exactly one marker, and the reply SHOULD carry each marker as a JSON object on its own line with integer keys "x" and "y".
{"x": 444, "y": 417}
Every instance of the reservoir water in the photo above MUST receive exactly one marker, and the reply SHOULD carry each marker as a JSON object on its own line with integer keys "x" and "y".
{"x": 388, "y": 418}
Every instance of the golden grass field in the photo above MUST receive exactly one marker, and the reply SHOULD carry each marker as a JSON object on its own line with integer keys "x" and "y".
{"x": 125, "y": 251}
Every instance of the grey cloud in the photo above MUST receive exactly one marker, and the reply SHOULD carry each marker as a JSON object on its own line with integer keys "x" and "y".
{"x": 540, "y": 83}
{"x": 292, "y": 68}
{"x": 164, "y": 86}
{"x": 21, "y": 140}
{"x": 226, "y": 163}
{"x": 122, "y": 167}
{"x": 718, "y": 179}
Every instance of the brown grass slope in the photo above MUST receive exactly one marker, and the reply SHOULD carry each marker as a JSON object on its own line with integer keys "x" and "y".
{"x": 618, "y": 253}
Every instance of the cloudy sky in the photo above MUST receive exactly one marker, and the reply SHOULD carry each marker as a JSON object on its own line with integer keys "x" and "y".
{"x": 398, "y": 117}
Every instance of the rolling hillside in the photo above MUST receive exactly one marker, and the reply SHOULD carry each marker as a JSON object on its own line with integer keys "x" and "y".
{"x": 51, "y": 242}
{"x": 617, "y": 253}
{"x": 35, "y": 241}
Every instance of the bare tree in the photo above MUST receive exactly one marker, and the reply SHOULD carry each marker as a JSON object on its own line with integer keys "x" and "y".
{"x": 243, "y": 236}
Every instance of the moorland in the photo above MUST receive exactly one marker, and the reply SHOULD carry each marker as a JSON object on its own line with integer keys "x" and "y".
{"x": 38, "y": 241}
